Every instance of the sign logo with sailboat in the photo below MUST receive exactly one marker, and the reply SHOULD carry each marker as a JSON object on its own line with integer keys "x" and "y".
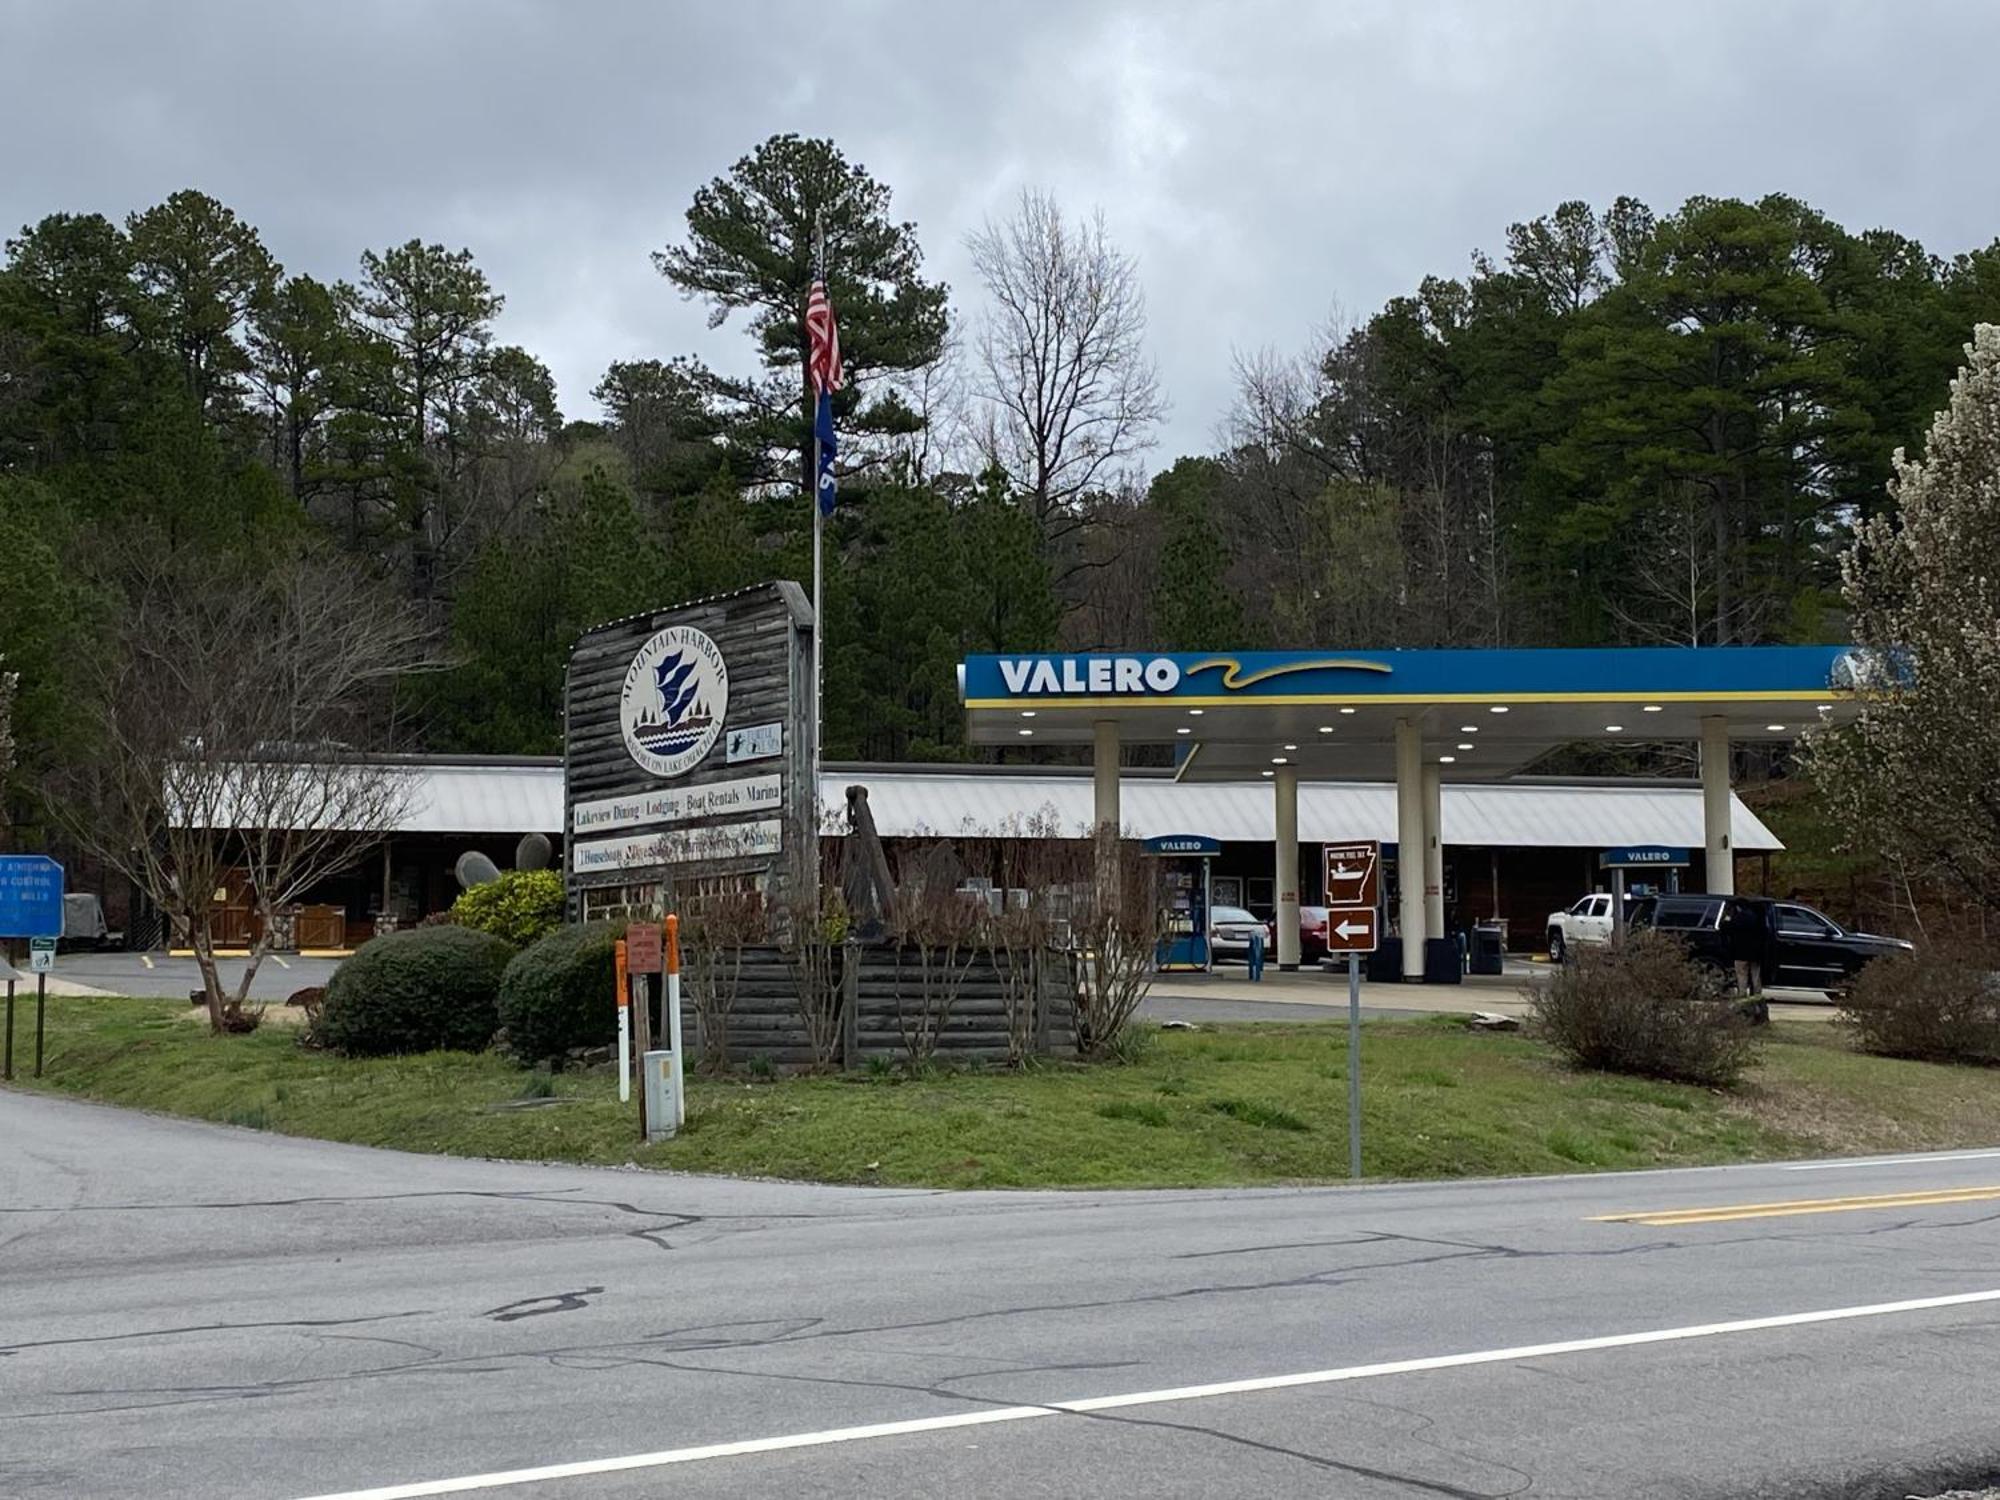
{"x": 675, "y": 698}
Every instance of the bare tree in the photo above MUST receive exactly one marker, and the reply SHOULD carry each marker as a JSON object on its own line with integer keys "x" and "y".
{"x": 223, "y": 716}
{"x": 1114, "y": 931}
{"x": 1071, "y": 396}
{"x": 718, "y": 923}
{"x": 940, "y": 931}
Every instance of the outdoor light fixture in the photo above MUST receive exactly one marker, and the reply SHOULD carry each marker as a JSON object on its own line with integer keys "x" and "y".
{"x": 1775, "y": 728}
{"x": 1447, "y": 760}
{"x": 1468, "y": 729}
{"x": 1278, "y": 760}
{"x": 1194, "y": 713}
{"x": 1183, "y": 730}
{"x": 1291, "y": 747}
{"x": 1027, "y": 713}
{"x": 1326, "y": 729}
{"x": 1347, "y": 710}
{"x": 1270, "y": 773}
{"x": 1652, "y": 708}
{"x": 1466, "y": 746}
{"x": 1024, "y": 733}
{"x": 1614, "y": 728}
{"x": 1498, "y": 708}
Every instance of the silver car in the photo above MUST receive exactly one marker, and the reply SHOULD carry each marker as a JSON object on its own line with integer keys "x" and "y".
{"x": 1229, "y": 932}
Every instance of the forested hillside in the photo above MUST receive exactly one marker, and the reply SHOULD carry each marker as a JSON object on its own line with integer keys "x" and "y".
{"x": 1618, "y": 425}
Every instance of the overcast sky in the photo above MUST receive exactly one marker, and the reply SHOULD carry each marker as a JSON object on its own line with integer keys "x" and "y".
{"x": 1268, "y": 163}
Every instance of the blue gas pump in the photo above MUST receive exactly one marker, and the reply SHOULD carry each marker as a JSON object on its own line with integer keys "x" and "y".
{"x": 1183, "y": 944}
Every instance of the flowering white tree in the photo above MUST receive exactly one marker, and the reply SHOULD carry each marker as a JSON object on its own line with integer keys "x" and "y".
{"x": 1917, "y": 778}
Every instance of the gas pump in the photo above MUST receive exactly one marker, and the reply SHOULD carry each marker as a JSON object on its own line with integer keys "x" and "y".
{"x": 1643, "y": 858}
{"x": 1184, "y": 891}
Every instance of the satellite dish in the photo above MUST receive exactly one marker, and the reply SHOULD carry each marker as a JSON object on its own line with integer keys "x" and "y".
{"x": 474, "y": 868}
{"x": 533, "y": 852}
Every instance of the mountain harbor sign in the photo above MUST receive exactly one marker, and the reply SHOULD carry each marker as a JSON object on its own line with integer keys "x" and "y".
{"x": 688, "y": 750}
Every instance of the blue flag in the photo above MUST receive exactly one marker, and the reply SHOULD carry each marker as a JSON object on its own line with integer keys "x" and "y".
{"x": 823, "y": 431}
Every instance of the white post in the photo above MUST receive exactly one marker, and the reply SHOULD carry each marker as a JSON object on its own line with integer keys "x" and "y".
{"x": 1434, "y": 851}
{"x": 624, "y": 1042}
{"x": 1285, "y": 786}
{"x": 1715, "y": 805}
{"x": 677, "y": 1085}
{"x": 1410, "y": 845}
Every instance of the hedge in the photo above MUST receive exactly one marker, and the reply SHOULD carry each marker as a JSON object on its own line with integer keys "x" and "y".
{"x": 522, "y": 906}
{"x": 426, "y": 989}
{"x": 559, "y": 995}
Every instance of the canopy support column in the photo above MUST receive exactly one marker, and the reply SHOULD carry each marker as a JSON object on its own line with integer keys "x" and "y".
{"x": 1433, "y": 852}
{"x": 1107, "y": 823}
{"x": 1410, "y": 846}
{"x": 1285, "y": 786}
{"x": 1715, "y": 805}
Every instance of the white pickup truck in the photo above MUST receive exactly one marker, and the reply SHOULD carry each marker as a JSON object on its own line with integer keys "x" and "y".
{"x": 1586, "y": 924}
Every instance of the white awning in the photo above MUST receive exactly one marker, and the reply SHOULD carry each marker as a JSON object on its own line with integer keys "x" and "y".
{"x": 513, "y": 797}
{"x": 909, "y": 804}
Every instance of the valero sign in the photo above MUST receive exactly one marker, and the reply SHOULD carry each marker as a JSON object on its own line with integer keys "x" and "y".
{"x": 1156, "y": 675}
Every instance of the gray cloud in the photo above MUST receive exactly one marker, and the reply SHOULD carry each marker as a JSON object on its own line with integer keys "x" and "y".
{"x": 1267, "y": 162}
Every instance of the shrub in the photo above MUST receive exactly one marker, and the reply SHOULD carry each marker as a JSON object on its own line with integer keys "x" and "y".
{"x": 416, "y": 991}
{"x": 522, "y": 906}
{"x": 1644, "y": 1007}
{"x": 1938, "y": 1004}
{"x": 561, "y": 994}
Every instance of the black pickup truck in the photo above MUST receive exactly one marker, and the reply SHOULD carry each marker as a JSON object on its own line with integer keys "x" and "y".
{"x": 1814, "y": 952}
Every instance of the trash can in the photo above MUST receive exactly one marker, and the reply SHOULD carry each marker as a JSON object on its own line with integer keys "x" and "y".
{"x": 1489, "y": 948}
{"x": 1256, "y": 955}
{"x": 1385, "y": 964}
{"x": 1442, "y": 961}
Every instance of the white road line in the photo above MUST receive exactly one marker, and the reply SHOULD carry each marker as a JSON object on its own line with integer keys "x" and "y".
{"x": 984, "y": 1418}
{"x": 1889, "y": 1161}
{"x": 279, "y": 960}
{"x": 146, "y": 959}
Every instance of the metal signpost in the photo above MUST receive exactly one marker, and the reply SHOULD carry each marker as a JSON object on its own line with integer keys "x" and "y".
{"x": 1353, "y": 887}
{"x": 31, "y": 907}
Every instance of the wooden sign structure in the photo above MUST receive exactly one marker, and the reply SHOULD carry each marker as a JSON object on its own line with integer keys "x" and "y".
{"x": 689, "y": 754}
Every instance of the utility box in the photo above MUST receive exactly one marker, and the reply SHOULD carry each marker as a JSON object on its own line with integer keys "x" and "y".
{"x": 663, "y": 1100}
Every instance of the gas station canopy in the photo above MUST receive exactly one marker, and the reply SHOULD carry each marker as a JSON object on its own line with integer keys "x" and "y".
{"x": 1481, "y": 714}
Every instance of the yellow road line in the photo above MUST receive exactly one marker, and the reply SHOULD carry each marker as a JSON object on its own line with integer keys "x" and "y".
{"x": 1727, "y": 1212}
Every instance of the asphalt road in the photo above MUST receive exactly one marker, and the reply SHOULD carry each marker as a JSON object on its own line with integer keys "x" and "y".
{"x": 277, "y": 976}
{"x": 193, "y": 1311}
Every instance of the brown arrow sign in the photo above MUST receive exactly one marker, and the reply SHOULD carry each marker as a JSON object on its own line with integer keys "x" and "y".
{"x": 1353, "y": 887}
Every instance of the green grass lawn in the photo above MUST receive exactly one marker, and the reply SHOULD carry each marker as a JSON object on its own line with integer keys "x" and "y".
{"x": 1228, "y": 1105}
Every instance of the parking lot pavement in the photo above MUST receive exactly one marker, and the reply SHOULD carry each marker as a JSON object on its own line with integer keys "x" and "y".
{"x": 278, "y": 976}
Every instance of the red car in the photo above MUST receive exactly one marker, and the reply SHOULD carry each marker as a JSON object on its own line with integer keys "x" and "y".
{"x": 1312, "y": 935}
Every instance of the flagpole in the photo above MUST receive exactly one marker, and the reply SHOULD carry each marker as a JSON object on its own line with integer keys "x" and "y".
{"x": 819, "y": 593}
{"x": 819, "y": 618}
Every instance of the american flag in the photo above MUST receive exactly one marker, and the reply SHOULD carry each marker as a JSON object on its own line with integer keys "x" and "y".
{"x": 823, "y": 366}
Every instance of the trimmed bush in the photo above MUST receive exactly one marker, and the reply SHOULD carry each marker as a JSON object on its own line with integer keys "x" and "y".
{"x": 561, "y": 994}
{"x": 427, "y": 989}
{"x": 1938, "y": 1004}
{"x": 522, "y": 906}
{"x": 1644, "y": 1007}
